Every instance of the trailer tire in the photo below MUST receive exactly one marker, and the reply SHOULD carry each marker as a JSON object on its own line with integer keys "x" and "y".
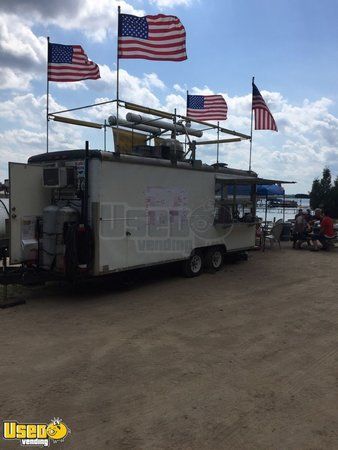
{"x": 214, "y": 259}
{"x": 193, "y": 266}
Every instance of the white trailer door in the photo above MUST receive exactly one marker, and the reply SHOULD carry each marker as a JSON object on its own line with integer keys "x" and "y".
{"x": 28, "y": 197}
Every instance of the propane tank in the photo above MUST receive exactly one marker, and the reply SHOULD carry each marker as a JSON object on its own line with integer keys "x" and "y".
{"x": 66, "y": 214}
{"x": 49, "y": 235}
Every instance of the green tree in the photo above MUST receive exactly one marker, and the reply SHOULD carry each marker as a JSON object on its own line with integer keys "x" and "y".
{"x": 316, "y": 194}
{"x": 326, "y": 184}
{"x": 334, "y": 199}
{"x": 325, "y": 195}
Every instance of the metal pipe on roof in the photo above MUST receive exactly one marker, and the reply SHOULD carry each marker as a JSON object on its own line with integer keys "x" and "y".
{"x": 167, "y": 115}
{"x": 82, "y": 123}
{"x": 223, "y": 130}
{"x": 112, "y": 120}
{"x": 218, "y": 141}
{"x": 138, "y": 119}
{"x": 146, "y": 110}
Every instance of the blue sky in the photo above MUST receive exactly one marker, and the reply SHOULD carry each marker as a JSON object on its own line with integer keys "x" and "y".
{"x": 290, "y": 47}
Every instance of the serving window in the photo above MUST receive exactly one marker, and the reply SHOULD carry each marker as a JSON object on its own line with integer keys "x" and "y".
{"x": 234, "y": 202}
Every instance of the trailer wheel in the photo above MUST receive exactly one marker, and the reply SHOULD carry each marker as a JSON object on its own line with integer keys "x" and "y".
{"x": 214, "y": 259}
{"x": 193, "y": 266}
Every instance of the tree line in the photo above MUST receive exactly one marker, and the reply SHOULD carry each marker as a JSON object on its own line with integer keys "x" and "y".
{"x": 324, "y": 193}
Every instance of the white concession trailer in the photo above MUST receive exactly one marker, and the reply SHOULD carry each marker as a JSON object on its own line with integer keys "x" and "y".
{"x": 88, "y": 213}
{"x": 129, "y": 212}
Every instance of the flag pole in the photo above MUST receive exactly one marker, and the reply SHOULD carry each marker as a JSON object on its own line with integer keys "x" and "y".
{"x": 174, "y": 131}
{"x": 217, "y": 142}
{"x": 253, "y": 80}
{"x": 186, "y": 110}
{"x": 117, "y": 80}
{"x": 105, "y": 136}
{"x": 47, "y": 106}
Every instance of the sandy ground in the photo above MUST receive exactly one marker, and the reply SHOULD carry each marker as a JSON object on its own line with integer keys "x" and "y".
{"x": 243, "y": 359}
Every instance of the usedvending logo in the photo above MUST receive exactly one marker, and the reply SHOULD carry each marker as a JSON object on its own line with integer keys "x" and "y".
{"x": 35, "y": 434}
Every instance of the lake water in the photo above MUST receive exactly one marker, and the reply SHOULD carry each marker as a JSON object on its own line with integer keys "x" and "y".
{"x": 277, "y": 213}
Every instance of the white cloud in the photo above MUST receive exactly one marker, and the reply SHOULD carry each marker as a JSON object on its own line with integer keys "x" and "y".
{"x": 179, "y": 88}
{"x": 18, "y": 44}
{"x": 173, "y": 101}
{"x": 22, "y": 53}
{"x": 171, "y": 3}
{"x": 107, "y": 82}
{"x": 97, "y": 19}
{"x": 205, "y": 90}
{"x": 132, "y": 88}
{"x": 102, "y": 112}
{"x": 28, "y": 110}
{"x": 25, "y": 134}
{"x": 19, "y": 144}
{"x": 135, "y": 89}
{"x": 11, "y": 79}
{"x": 151, "y": 80}
{"x": 74, "y": 86}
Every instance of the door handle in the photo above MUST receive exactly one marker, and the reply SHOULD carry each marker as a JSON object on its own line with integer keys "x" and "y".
{"x": 128, "y": 233}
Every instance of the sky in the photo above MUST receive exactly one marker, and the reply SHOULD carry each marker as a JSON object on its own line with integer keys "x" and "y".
{"x": 291, "y": 48}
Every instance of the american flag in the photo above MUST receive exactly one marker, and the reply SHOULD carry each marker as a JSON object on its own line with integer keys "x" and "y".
{"x": 70, "y": 63}
{"x": 207, "y": 107}
{"x": 160, "y": 38}
{"x": 263, "y": 117}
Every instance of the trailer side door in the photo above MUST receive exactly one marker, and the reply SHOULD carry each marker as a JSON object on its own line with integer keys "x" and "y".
{"x": 27, "y": 199}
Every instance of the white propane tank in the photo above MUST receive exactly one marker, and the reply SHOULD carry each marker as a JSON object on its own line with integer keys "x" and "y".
{"x": 64, "y": 215}
{"x": 49, "y": 235}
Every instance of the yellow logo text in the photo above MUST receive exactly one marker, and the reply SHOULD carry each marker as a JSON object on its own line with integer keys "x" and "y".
{"x": 36, "y": 434}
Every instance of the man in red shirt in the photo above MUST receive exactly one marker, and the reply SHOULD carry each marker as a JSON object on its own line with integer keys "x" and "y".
{"x": 326, "y": 232}
{"x": 326, "y": 226}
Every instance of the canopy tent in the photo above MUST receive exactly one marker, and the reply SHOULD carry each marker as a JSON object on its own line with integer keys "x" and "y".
{"x": 261, "y": 189}
{"x": 270, "y": 189}
{"x": 266, "y": 190}
{"x": 241, "y": 185}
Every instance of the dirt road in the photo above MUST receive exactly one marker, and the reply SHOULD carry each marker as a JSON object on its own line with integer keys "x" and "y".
{"x": 243, "y": 359}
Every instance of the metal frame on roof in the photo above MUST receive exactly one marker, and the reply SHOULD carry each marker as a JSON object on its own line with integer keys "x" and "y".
{"x": 237, "y": 179}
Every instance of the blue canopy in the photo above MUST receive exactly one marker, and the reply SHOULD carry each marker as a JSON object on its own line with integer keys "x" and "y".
{"x": 270, "y": 189}
{"x": 261, "y": 189}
